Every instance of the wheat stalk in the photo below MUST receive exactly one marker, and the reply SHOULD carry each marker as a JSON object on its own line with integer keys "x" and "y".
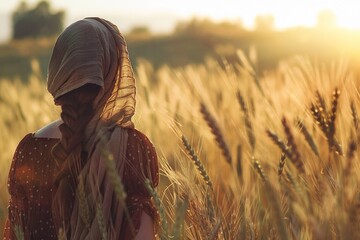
{"x": 319, "y": 118}
{"x": 308, "y": 138}
{"x": 273, "y": 202}
{"x": 101, "y": 222}
{"x": 83, "y": 204}
{"x": 247, "y": 121}
{"x": 210, "y": 207}
{"x": 238, "y": 162}
{"x": 243, "y": 221}
{"x": 332, "y": 116}
{"x": 295, "y": 155}
{"x": 354, "y": 115}
{"x": 159, "y": 207}
{"x": 197, "y": 162}
{"x": 285, "y": 149}
{"x": 19, "y": 233}
{"x": 215, "y": 129}
{"x": 114, "y": 176}
{"x": 181, "y": 207}
{"x": 214, "y": 233}
{"x": 259, "y": 170}
{"x": 326, "y": 121}
{"x": 281, "y": 164}
{"x": 349, "y": 159}
{"x": 119, "y": 189}
{"x": 321, "y": 102}
{"x": 278, "y": 142}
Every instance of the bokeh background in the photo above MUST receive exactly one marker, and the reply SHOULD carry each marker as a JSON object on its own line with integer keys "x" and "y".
{"x": 266, "y": 92}
{"x": 184, "y": 32}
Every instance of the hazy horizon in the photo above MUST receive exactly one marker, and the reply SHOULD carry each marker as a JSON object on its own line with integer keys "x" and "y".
{"x": 157, "y": 24}
{"x": 160, "y": 16}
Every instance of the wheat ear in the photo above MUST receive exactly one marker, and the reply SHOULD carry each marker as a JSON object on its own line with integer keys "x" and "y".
{"x": 274, "y": 203}
{"x": 197, "y": 161}
{"x": 285, "y": 149}
{"x": 326, "y": 121}
{"x": 332, "y": 116}
{"x": 308, "y": 138}
{"x": 83, "y": 204}
{"x": 259, "y": 170}
{"x": 354, "y": 115}
{"x": 181, "y": 207}
{"x": 320, "y": 118}
{"x": 119, "y": 189}
{"x": 101, "y": 222}
{"x": 321, "y": 102}
{"x": 295, "y": 155}
{"x": 210, "y": 207}
{"x": 215, "y": 129}
{"x": 159, "y": 207}
{"x": 281, "y": 164}
{"x": 248, "y": 125}
{"x": 278, "y": 142}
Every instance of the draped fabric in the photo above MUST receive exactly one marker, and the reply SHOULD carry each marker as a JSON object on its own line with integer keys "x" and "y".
{"x": 96, "y": 204}
{"x": 94, "y": 51}
{"x": 29, "y": 185}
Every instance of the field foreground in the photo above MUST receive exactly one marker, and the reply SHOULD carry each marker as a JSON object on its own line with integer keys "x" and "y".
{"x": 242, "y": 156}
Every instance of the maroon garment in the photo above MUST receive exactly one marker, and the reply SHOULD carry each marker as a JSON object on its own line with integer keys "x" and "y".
{"x": 30, "y": 186}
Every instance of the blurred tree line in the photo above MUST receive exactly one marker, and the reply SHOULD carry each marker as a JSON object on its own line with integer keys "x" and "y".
{"x": 195, "y": 26}
{"x": 39, "y": 21}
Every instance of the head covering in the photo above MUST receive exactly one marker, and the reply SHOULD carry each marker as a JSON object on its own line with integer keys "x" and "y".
{"x": 93, "y": 51}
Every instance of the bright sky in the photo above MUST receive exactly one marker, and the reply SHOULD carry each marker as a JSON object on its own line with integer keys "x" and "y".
{"x": 160, "y": 15}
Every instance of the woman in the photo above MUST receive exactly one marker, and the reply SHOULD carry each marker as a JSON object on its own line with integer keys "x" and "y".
{"x": 65, "y": 178}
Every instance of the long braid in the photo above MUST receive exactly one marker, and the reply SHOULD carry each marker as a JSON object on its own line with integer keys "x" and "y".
{"x": 70, "y": 158}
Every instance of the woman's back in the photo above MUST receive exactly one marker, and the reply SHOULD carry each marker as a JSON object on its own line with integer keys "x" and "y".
{"x": 31, "y": 176}
{"x": 30, "y": 186}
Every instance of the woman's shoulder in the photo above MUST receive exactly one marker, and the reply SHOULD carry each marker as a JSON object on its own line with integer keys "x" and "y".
{"x": 141, "y": 157}
{"x": 47, "y": 134}
{"x": 132, "y": 132}
{"x": 50, "y": 130}
{"x": 137, "y": 137}
{"x": 31, "y": 162}
{"x": 33, "y": 146}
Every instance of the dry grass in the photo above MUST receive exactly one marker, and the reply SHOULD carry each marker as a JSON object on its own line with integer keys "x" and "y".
{"x": 242, "y": 190}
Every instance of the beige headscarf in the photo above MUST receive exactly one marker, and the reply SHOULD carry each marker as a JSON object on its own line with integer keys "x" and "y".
{"x": 94, "y": 51}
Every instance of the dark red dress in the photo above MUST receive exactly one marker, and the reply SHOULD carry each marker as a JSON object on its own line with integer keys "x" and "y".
{"x": 30, "y": 186}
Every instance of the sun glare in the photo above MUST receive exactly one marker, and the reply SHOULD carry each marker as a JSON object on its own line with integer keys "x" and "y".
{"x": 286, "y": 13}
{"x": 348, "y": 18}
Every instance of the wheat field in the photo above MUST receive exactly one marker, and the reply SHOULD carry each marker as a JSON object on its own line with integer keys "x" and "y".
{"x": 244, "y": 155}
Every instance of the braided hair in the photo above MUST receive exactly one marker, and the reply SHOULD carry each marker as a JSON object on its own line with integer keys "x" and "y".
{"x": 69, "y": 154}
